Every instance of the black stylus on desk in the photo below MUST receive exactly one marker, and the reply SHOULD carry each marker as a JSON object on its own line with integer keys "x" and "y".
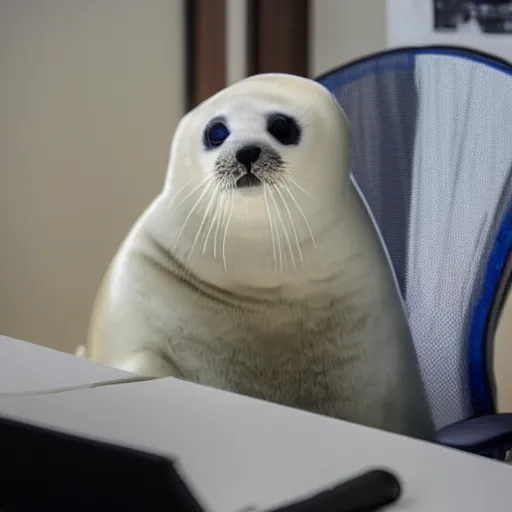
{"x": 366, "y": 492}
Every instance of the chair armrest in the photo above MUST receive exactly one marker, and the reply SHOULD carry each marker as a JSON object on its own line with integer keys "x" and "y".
{"x": 478, "y": 435}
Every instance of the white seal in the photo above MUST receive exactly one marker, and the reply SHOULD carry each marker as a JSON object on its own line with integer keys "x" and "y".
{"x": 258, "y": 269}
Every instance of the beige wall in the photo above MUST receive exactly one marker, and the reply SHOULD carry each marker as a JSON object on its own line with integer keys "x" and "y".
{"x": 342, "y": 30}
{"x": 503, "y": 358}
{"x": 90, "y": 93}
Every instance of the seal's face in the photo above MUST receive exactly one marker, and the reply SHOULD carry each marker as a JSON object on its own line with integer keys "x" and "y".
{"x": 251, "y": 161}
{"x": 263, "y": 159}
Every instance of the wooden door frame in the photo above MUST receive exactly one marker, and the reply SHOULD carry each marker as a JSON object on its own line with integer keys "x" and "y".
{"x": 279, "y": 36}
{"x": 205, "y": 49}
{"x": 277, "y": 41}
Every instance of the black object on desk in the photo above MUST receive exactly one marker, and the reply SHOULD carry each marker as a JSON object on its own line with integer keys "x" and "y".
{"x": 366, "y": 492}
{"x": 42, "y": 469}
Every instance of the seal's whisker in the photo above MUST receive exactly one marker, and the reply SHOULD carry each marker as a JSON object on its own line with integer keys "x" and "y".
{"x": 175, "y": 196}
{"x": 295, "y": 173}
{"x": 279, "y": 249}
{"x": 226, "y": 233}
{"x": 212, "y": 223}
{"x": 220, "y": 223}
{"x": 300, "y": 188}
{"x": 194, "y": 190}
{"x": 207, "y": 211}
{"x": 302, "y": 214}
{"x": 278, "y": 240}
{"x": 192, "y": 210}
{"x": 285, "y": 231}
{"x": 277, "y": 234}
{"x": 292, "y": 224}
{"x": 270, "y": 227}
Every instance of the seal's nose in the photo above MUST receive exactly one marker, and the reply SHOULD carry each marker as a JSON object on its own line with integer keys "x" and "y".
{"x": 248, "y": 155}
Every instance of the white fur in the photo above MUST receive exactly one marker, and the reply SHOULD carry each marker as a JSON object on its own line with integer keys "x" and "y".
{"x": 310, "y": 318}
{"x": 249, "y": 250}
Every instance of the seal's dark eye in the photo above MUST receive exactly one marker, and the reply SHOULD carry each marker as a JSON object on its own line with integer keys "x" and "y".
{"x": 284, "y": 128}
{"x": 215, "y": 134}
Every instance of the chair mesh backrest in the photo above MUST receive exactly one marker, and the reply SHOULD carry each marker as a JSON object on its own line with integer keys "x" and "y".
{"x": 431, "y": 136}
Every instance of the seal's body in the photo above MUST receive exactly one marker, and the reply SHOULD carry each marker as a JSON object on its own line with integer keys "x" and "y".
{"x": 258, "y": 269}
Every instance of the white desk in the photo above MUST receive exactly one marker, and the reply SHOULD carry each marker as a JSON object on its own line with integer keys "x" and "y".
{"x": 26, "y": 367}
{"x": 239, "y": 452}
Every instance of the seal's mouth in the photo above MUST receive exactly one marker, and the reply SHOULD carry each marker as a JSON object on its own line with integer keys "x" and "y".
{"x": 248, "y": 180}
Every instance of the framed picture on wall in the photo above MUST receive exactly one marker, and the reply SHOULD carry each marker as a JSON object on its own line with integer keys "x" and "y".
{"x": 484, "y": 25}
{"x": 473, "y": 16}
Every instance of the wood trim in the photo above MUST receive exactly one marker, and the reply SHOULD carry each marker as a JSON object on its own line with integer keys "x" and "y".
{"x": 190, "y": 51}
{"x": 253, "y": 30}
{"x": 205, "y": 49}
{"x": 279, "y": 40}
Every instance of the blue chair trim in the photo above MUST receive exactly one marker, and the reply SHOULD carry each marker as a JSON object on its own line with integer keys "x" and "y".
{"x": 481, "y": 388}
{"x": 331, "y": 81}
{"x": 359, "y": 69}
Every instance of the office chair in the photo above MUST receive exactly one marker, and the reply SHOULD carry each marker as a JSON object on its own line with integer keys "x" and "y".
{"x": 431, "y": 131}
